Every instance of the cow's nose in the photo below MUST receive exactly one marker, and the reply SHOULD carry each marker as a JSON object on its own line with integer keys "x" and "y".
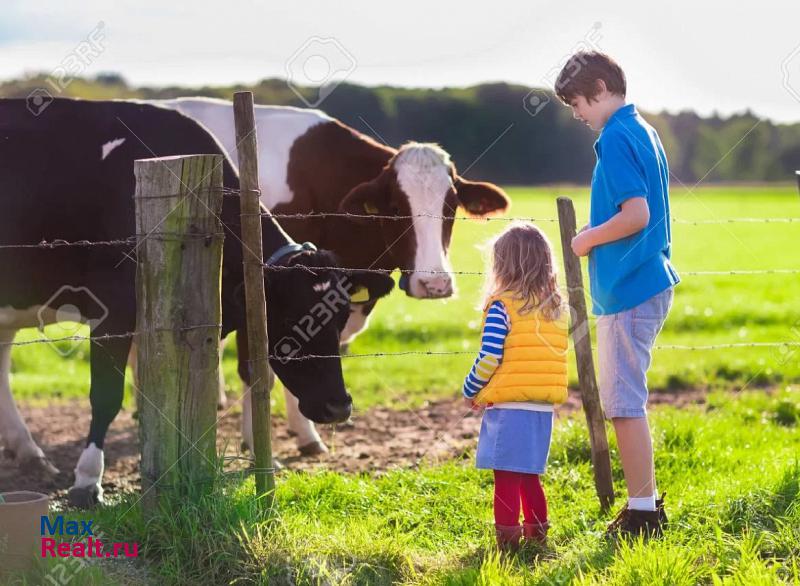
{"x": 339, "y": 411}
{"x": 439, "y": 286}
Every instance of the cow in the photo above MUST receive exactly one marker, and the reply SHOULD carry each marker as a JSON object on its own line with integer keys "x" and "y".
{"x": 312, "y": 163}
{"x": 68, "y": 175}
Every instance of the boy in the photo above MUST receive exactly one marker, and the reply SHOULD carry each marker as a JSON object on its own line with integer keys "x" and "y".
{"x": 631, "y": 278}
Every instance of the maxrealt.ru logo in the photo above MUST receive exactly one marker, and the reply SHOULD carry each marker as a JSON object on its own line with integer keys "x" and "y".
{"x": 78, "y": 540}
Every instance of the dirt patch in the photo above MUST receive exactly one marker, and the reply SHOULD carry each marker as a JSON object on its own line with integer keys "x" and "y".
{"x": 374, "y": 441}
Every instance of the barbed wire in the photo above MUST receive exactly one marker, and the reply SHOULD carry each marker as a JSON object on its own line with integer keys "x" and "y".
{"x": 106, "y": 337}
{"x": 313, "y": 270}
{"x": 738, "y": 221}
{"x": 314, "y": 215}
{"x": 318, "y": 215}
{"x": 474, "y": 352}
{"x": 284, "y": 358}
{"x": 58, "y": 243}
{"x": 129, "y": 241}
{"x": 742, "y": 272}
{"x": 132, "y": 240}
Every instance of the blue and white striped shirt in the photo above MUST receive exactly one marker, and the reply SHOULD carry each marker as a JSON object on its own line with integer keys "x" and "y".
{"x": 490, "y": 356}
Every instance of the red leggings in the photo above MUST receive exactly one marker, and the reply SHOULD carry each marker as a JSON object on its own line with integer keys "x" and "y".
{"x": 512, "y": 487}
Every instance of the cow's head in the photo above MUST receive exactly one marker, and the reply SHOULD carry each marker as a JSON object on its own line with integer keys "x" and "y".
{"x": 421, "y": 181}
{"x": 315, "y": 304}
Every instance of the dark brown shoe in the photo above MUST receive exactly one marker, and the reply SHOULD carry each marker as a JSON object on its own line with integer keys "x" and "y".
{"x": 633, "y": 523}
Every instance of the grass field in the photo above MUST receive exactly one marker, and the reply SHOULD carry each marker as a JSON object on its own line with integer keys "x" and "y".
{"x": 707, "y": 309}
{"x": 730, "y": 467}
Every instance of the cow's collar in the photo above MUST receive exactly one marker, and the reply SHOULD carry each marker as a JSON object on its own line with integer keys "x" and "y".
{"x": 287, "y": 249}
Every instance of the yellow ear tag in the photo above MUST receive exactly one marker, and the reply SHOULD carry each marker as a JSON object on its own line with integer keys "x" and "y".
{"x": 370, "y": 208}
{"x": 360, "y": 295}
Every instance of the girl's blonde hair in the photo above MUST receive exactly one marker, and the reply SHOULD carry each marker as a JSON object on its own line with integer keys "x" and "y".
{"x": 521, "y": 261}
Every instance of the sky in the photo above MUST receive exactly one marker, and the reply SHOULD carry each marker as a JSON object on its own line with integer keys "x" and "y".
{"x": 705, "y": 56}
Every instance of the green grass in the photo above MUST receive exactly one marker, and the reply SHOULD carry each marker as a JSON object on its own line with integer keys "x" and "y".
{"x": 707, "y": 309}
{"x": 730, "y": 469}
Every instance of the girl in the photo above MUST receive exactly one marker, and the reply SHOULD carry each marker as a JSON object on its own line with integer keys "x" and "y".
{"x": 520, "y": 373}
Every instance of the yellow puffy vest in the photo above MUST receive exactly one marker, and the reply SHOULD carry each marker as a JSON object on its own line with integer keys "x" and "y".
{"x": 534, "y": 366}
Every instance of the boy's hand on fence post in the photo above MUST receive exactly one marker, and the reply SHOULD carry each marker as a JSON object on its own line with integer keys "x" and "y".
{"x": 581, "y": 243}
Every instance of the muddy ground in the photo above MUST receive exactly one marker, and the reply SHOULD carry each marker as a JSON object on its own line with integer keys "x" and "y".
{"x": 373, "y": 441}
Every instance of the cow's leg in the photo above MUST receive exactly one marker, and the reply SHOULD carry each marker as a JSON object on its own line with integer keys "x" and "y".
{"x": 17, "y": 438}
{"x": 108, "y": 382}
{"x": 308, "y": 441}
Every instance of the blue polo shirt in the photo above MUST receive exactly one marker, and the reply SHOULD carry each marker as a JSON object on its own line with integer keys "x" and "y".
{"x": 630, "y": 163}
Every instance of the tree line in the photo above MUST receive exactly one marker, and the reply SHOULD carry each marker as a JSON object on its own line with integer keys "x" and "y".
{"x": 501, "y": 132}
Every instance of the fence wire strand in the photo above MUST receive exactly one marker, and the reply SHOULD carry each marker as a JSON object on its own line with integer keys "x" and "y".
{"x": 107, "y": 337}
{"x": 230, "y": 192}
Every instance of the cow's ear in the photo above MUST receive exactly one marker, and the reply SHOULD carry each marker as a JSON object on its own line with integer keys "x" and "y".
{"x": 365, "y": 199}
{"x": 481, "y": 199}
{"x": 369, "y": 286}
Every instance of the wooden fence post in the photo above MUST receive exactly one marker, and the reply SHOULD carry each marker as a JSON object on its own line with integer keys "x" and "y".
{"x": 582, "y": 341}
{"x": 178, "y": 202}
{"x": 255, "y": 297}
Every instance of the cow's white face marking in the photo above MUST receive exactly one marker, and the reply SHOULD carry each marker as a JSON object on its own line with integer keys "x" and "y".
{"x": 320, "y": 287}
{"x": 282, "y": 124}
{"x": 423, "y": 172}
{"x": 356, "y": 323}
{"x": 110, "y": 146}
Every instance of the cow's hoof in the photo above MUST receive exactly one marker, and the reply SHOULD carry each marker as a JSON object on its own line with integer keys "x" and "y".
{"x": 38, "y": 466}
{"x": 222, "y": 405}
{"x": 244, "y": 448}
{"x": 313, "y": 449}
{"x": 86, "y": 497}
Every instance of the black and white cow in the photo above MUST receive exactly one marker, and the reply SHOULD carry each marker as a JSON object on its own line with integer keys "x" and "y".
{"x": 310, "y": 162}
{"x": 68, "y": 174}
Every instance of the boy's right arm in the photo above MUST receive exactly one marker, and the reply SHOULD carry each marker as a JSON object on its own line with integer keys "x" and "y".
{"x": 627, "y": 187}
{"x": 633, "y": 216}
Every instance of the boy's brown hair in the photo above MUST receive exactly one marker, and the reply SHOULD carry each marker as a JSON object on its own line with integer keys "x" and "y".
{"x": 580, "y": 73}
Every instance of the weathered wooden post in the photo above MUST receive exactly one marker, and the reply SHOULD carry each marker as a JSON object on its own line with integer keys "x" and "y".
{"x": 178, "y": 202}
{"x": 582, "y": 341}
{"x": 255, "y": 297}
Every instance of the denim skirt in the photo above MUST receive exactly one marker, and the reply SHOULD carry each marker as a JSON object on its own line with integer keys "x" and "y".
{"x": 516, "y": 440}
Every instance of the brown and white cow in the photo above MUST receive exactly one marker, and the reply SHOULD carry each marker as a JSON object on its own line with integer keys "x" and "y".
{"x": 309, "y": 162}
